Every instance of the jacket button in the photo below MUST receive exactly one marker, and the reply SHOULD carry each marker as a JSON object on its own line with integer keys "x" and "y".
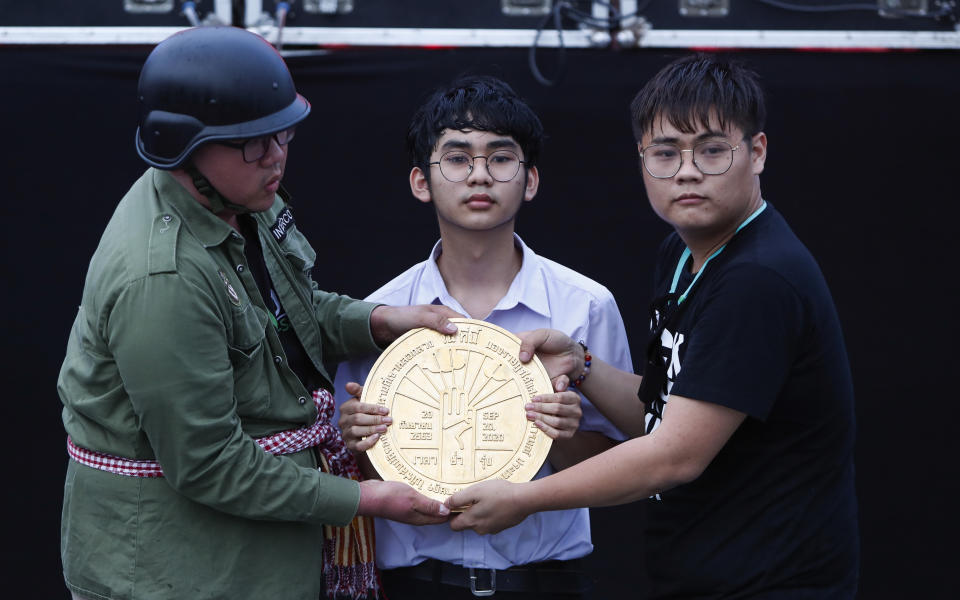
{"x": 278, "y": 359}
{"x": 302, "y": 400}
{"x": 239, "y": 268}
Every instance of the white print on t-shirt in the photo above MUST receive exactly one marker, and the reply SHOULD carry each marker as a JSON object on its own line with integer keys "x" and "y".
{"x": 670, "y": 342}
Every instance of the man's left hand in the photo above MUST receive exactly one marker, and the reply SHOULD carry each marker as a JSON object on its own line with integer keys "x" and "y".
{"x": 361, "y": 424}
{"x": 558, "y": 415}
{"x": 387, "y": 323}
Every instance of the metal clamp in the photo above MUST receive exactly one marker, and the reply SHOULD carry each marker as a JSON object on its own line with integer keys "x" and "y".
{"x": 473, "y": 582}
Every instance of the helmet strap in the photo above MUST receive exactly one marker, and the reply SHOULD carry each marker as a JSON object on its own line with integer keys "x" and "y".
{"x": 217, "y": 202}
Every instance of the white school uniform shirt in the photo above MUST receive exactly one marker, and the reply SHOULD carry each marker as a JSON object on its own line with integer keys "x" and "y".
{"x": 543, "y": 294}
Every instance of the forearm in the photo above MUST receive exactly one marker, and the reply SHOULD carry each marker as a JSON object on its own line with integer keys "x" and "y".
{"x": 677, "y": 452}
{"x": 238, "y": 477}
{"x": 633, "y": 470}
{"x": 565, "y": 453}
{"x": 345, "y": 326}
{"x": 614, "y": 393}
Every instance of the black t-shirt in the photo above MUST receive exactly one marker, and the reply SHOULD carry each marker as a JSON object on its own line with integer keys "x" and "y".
{"x": 774, "y": 515}
{"x": 296, "y": 356}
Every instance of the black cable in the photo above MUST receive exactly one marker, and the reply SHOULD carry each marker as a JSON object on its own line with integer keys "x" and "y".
{"x": 565, "y": 8}
{"x": 561, "y": 51}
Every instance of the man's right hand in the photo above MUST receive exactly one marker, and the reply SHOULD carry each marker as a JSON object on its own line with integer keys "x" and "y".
{"x": 399, "y": 502}
{"x": 361, "y": 423}
{"x": 489, "y": 506}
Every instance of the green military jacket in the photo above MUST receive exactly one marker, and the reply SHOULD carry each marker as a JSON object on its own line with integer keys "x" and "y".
{"x": 171, "y": 358}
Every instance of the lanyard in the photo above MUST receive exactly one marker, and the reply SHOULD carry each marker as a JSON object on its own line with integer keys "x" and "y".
{"x": 686, "y": 254}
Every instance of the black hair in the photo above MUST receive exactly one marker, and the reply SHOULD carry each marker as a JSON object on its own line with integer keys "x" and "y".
{"x": 686, "y": 91}
{"x": 478, "y": 102}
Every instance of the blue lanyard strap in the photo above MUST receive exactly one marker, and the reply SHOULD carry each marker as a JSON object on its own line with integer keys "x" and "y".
{"x": 686, "y": 254}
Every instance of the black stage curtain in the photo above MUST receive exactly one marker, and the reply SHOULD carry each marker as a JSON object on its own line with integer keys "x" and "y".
{"x": 862, "y": 162}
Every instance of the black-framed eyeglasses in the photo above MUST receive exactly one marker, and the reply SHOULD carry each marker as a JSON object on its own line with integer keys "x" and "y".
{"x": 663, "y": 161}
{"x": 457, "y": 165}
{"x": 256, "y": 148}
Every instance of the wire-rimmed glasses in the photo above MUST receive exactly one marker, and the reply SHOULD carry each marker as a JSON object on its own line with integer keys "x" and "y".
{"x": 663, "y": 161}
{"x": 457, "y": 165}
{"x": 256, "y": 148}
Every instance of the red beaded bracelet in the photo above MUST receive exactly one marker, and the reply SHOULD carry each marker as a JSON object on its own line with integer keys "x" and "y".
{"x": 586, "y": 366}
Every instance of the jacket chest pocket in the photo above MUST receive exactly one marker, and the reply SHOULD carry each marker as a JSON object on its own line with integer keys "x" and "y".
{"x": 250, "y": 358}
{"x": 299, "y": 254}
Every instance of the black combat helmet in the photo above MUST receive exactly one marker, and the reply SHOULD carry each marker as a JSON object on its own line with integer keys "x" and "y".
{"x": 212, "y": 83}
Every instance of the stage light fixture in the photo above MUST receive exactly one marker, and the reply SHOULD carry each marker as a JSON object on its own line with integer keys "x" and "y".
{"x": 148, "y": 6}
{"x": 903, "y": 8}
{"x": 704, "y": 8}
{"x": 328, "y": 7}
{"x": 526, "y": 8}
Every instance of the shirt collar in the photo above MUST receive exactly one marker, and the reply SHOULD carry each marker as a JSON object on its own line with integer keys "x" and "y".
{"x": 527, "y": 288}
{"x": 210, "y": 229}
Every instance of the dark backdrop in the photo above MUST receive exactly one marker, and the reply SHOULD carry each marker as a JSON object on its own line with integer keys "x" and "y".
{"x": 863, "y": 161}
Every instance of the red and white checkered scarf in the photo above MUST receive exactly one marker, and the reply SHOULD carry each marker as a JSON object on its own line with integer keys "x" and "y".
{"x": 348, "y": 552}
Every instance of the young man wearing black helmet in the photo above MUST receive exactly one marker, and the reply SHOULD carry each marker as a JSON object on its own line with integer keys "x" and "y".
{"x": 744, "y": 419}
{"x": 196, "y": 398}
{"x": 475, "y": 145}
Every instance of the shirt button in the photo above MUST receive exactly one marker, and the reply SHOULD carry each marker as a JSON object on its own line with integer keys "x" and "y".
{"x": 302, "y": 400}
{"x": 239, "y": 268}
{"x": 278, "y": 359}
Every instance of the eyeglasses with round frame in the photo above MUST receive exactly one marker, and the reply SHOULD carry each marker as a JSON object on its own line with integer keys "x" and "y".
{"x": 457, "y": 165}
{"x": 256, "y": 148}
{"x": 663, "y": 161}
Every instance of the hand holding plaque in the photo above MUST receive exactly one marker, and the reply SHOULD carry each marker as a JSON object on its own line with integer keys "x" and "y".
{"x": 361, "y": 424}
{"x": 457, "y": 404}
{"x": 558, "y": 415}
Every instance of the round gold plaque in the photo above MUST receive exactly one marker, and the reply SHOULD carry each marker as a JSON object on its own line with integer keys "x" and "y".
{"x": 457, "y": 403}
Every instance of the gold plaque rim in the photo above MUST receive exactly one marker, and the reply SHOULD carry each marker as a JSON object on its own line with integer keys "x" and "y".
{"x": 534, "y": 444}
